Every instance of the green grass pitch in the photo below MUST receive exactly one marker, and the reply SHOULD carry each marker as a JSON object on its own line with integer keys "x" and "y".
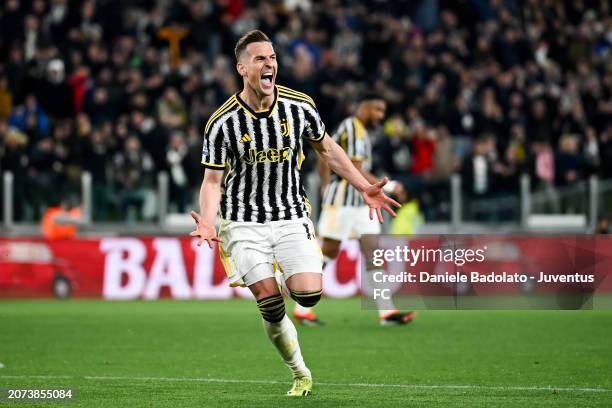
{"x": 215, "y": 353}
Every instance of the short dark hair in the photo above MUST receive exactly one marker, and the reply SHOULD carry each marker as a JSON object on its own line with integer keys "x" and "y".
{"x": 370, "y": 96}
{"x": 252, "y": 36}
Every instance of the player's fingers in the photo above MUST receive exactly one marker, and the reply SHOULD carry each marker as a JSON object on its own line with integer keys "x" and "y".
{"x": 195, "y": 216}
{"x": 379, "y": 213}
{"x": 371, "y": 214}
{"x": 389, "y": 210}
{"x": 382, "y": 182}
{"x": 208, "y": 241}
{"x": 392, "y": 201}
{"x": 194, "y": 233}
{"x": 200, "y": 241}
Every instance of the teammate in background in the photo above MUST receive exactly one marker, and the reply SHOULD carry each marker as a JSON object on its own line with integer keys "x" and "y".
{"x": 256, "y": 139}
{"x": 344, "y": 212}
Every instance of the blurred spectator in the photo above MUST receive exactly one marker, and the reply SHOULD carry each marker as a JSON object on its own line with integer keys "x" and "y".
{"x": 539, "y": 124}
{"x": 490, "y": 117}
{"x": 32, "y": 36}
{"x": 507, "y": 172}
{"x": 543, "y": 174}
{"x": 605, "y": 152}
{"x": 569, "y": 163}
{"x": 14, "y": 158}
{"x": 461, "y": 120}
{"x": 171, "y": 110}
{"x": 570, "y": 169}
{"x": 45, "y": 175}
{"x": 478, "y": 180}
{"x": 67, "y": 149}
{"x": 78, "y": 82}
{"x": 424, "y": 149}
{"x": 592, "y": 158}
{"x": 133, "y": 172}
{"x": 303, "y": 71}
{"x": 96, "y": 150}
{"x": 177, "y": 161}
{"x": 6, "y": 98}
{"x": 392, "y": 154}
{"x": 154, "y": 138}
{"x": 56, "y": 95}
{"x": 477, "y": 170}
{"x": 30, "y": 119}
{"x": 99, "y": 106}
{"x": 444, "y": 162}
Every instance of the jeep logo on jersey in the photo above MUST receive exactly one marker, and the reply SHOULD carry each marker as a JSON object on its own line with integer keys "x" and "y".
{"x": 253, "y": 156}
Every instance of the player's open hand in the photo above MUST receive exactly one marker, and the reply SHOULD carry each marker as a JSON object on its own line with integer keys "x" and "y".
{"x": 376, "y": 199}
{"x": 204, "y": 232}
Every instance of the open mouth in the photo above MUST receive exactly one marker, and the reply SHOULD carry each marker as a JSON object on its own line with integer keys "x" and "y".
{"x": 266, "y": 80}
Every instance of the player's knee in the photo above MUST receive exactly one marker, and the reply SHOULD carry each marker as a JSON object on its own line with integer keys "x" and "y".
{"x": 331, "y": 253}
{"x": 330, "y": 248}
{"x": 272, "y": 308}
{"x": 306, "y": 298}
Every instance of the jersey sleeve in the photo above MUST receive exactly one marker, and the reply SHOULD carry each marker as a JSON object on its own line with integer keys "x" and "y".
{"x": 351, "y": 137}
{"x": 314, "y": 129}
{"x": 357, "y": 145}
{"x": 214, "y": 150}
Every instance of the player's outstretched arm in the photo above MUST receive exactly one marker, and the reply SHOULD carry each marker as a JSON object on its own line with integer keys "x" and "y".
{"x": 340, "y": 163}
{"x": 210, "y": 197}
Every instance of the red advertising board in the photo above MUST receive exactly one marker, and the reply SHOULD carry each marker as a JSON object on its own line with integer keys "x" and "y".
{"x": 155, "y": 267}
{"x": 135, "y": 268}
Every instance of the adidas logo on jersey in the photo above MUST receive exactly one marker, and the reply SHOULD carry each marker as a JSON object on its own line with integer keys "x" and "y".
{"x": 253, "y": 156}
{"x": 246, "y": 138}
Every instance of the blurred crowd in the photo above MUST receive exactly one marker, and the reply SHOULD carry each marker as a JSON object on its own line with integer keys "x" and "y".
{"x": 489, "y": 89}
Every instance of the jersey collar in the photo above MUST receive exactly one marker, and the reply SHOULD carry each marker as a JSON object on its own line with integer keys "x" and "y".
{"x": 258, "y": 114}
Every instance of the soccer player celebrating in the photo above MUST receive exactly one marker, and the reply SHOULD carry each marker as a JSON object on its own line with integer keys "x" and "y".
{"x": 256, "y": 139}
{"x": 344, "y": 213}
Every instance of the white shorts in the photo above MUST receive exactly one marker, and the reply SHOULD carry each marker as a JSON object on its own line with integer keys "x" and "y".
{"x": 251, "y": 251}
{"x": 344, "y": 222}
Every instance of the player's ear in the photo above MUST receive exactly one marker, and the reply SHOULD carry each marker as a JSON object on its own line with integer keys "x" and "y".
{"x": 241, "y": 69}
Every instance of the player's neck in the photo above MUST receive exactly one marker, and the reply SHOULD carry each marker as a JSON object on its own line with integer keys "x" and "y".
{"x": 361, "y": 118}
{"x": 256, "y": 102}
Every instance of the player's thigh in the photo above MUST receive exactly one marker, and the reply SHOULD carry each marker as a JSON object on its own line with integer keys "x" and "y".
{"x": 246, "y": 252}
{"x": 297, "y": 252}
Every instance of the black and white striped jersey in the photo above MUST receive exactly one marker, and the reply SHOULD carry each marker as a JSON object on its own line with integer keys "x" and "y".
{"x": 262, "y": 153}
{"x": 353, "y": 137}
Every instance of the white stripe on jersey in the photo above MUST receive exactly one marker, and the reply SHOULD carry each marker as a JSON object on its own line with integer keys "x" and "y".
{"x": 301, "y": 126}
{"x": 279, "y": 194}
{"x": 231, "y": 198}
{"x": 291, "y": 123}
{"x": 350, "y": 143}
{"x": 267, "y": 170}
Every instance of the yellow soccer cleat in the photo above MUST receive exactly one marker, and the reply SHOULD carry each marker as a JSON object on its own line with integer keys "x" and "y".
{"x": 302, "y": 386}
